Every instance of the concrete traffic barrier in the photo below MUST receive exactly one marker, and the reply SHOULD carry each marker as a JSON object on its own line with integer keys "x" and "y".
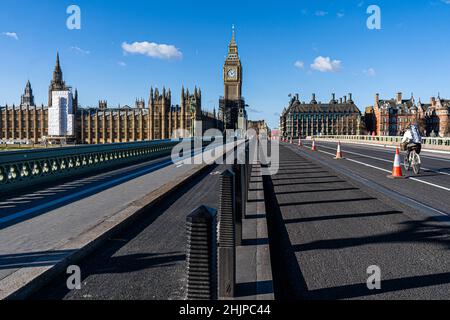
{"x": 201, "y": 255}
{"x": 226, "y": 236}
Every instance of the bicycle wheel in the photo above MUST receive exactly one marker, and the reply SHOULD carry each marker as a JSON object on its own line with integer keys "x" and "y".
{"x": 416, "y": 163}
{"x": 406, "y": 163}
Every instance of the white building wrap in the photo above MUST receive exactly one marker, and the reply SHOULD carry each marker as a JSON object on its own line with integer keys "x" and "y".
{"x": 60, "y": 114}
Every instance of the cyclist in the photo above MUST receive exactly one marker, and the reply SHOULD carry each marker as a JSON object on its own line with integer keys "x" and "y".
{"x": 412, "y": 140}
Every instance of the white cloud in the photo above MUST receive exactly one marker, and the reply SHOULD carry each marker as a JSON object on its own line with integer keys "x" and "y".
{"x": 11, "y": 35}
{"x": 299, "y": 64}
{"x": 79, "y": 50}
{"x": 122, "y": 64}
{"x": 325, "y": 64}
{"x": 321, "y": 13}
{"x": 153, "y": 50}
{"x": 340, "y": 14}
{"x": 370, "y": 72}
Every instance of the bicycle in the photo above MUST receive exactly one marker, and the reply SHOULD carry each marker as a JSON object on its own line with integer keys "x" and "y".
{"x": 413, "y": 162}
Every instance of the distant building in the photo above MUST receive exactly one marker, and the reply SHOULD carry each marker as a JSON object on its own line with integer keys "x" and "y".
{"x": 301, "y": 119}
{"x": 24, "y": 123}
{"x": 369, "y": 120}
{"x": 275, "y": 134}
{"x": 393, "y": 116}
{"x": 259, "y": 126}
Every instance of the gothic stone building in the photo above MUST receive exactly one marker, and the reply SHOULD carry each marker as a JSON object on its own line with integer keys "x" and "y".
{"x": 160, "y": 120}
{"x": 392, "y": 116}
{"x": 26, "y": 122}
{"x": 300, "y": 119}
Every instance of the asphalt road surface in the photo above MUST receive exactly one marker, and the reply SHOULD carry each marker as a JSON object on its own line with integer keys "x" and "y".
{"x": 330, "y": 220}
{"x": 147, "y": 261}
{"x": 431, "y": 187}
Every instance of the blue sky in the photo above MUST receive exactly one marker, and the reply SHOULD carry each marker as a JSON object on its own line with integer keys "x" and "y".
{"x": 409, "y": 54}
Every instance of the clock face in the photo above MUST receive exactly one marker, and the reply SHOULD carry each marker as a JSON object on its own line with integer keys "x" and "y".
{"x": 231, "y": 73}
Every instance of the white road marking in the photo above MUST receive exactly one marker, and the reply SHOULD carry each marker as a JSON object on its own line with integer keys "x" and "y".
{"x": 384, "y": 160}
{"x": 385, "y": 146}
{"x": 410, "y": 199}
{"x": 430, "y": 184}
{"x": 384, "y": 170}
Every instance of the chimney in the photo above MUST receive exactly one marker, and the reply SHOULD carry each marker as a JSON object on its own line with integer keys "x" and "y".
{"x": 345, "y": 99}
{"x": 297, "y": 96}
{"x": 334, "y": 96}
{"x": 433, "y": 101}
{"x": 399, "y": 97}
{"x": 340, "y": 100}
{"x": 377, "y": 97}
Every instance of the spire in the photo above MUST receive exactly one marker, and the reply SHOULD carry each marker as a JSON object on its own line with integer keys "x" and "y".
{"x": 232, "y": 47}
{"x": 57, "y": 60}
{"x": 57, "y": 73}
{"x": 233, "y": 36}
{"x": 27, "y": 99}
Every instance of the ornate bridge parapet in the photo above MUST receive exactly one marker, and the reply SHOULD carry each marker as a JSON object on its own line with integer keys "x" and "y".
{"x": 21, "y": 169}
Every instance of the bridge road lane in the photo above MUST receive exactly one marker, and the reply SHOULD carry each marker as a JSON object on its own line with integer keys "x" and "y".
{"x": 326, "y": 230}
{"x": 147, "y": 261}
{"x": 436, "y": 167}
{"x": 35, "y": 239}
{"x": 431, "y": 187}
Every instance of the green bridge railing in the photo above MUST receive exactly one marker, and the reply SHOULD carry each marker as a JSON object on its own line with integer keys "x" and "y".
{"x": 21, "y": 169}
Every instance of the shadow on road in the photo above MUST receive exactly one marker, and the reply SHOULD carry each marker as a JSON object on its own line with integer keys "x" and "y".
{"x": 289, "y": 280}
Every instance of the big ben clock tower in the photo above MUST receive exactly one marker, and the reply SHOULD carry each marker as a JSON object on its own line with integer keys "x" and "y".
{"x": 232, "y": 104}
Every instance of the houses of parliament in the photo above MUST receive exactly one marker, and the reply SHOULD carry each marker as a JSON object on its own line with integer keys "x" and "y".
{"x": 64, "y": 120}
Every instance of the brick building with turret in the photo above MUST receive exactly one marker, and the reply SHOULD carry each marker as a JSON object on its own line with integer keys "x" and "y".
{"x": 392, "y": 116}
